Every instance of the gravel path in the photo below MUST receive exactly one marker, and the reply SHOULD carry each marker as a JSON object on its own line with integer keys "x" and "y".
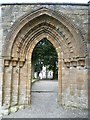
{"x": 44, "y": 104}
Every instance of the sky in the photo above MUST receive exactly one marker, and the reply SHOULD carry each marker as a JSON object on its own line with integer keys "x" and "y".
{"x": 43, "y": 1}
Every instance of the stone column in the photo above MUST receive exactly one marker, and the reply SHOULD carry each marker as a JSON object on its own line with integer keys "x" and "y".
{"x": 73, "y": 74}
{"x": 65, "y": 82}
{"x": 82, "y": 83}
{"x": 72, "y": 82}
{"x": 14, "y": 95}
{"x": 60, "y": 80}
{"x": 26, "y": 83}
{"x": 80, "y": 76}
{"x": 22, "y": 84}
{"x": 29, "y": 80}
{"x": 7, "y": 86}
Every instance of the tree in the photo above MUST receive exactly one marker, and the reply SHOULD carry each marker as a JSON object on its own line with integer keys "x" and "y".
{"x": 44, "y": 54}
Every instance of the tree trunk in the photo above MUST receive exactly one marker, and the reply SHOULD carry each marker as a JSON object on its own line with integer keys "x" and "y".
{"x": 46, "y": 72}
{"x": 54, "y": 71}
{"x": 32, "y": 70}
{"x": 38, "y": 74}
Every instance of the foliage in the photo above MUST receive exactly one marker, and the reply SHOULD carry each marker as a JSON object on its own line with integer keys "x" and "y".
{"x": 45, "y": 54}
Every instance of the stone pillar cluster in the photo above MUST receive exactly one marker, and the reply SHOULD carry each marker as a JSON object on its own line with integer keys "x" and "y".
{"x": 74, "y": 83}
{"x": 16, "y": 86}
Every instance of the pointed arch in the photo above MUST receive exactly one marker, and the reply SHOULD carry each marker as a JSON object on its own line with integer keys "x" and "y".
{"x": 54, "y": 20}
{"x": 26, "y": 32}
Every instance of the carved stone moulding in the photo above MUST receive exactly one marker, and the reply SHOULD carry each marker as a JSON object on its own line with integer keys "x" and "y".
{"x": 14, "y": 63}
{"x": 6, "y": 63}
{"x": 67, "y": 63}
{"x": 21, "y": 63}
{"x": 81, "y": 62}
{"x": 73, "y": 62}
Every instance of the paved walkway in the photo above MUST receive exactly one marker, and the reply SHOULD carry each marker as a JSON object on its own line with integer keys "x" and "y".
{"x": 44, "y": 104}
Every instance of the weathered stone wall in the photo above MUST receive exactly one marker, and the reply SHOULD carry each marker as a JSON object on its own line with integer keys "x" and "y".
{"x": 74, "y": 73}
{"x": 78, "y": 14}
{"x": 75, "y": 86}
{"x": 1, "y": 61}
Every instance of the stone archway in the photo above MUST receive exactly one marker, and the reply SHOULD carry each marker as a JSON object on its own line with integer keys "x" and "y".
{"x": 23, "y": 37}
{"x": 58, "y": 50}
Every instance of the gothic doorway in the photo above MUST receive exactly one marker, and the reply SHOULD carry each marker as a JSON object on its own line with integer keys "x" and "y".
{"x": 25, "y": 34}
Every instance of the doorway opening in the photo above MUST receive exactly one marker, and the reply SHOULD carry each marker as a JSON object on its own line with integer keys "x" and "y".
{"x": 44, "y": 61}
{"x": 44, "y": 73}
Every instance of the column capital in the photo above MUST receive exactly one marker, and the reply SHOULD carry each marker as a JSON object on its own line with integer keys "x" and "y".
{"x": 21, "y": 63}
{"x": 73, "y": 62}
{"x": 6, "y": 63}
{"x": 81, "y": 62}
{"x": 67, "y": 62}
{"x": 14, "y": 63}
